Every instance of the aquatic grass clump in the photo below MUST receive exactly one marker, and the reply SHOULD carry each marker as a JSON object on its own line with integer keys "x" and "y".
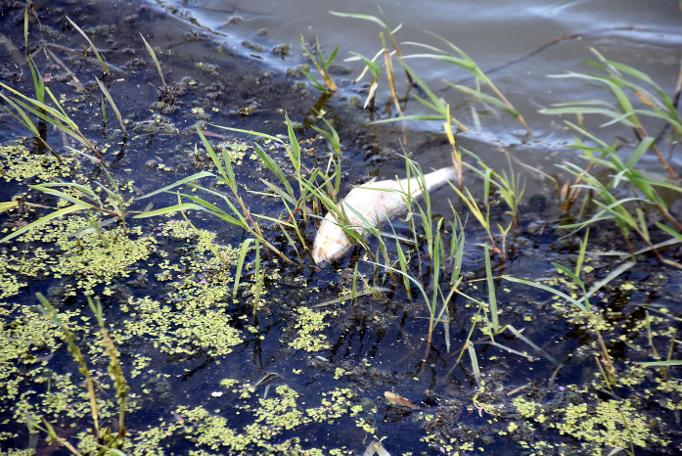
{"x": 457, "y": 57}
{"x": 301, "y": 191}
{"x": 50, "y": 111}
{"x": 439, "y": 109}
{"x": 321, "y": 64}
{"x": 509, "y": 185}
{"x": 101, "y": 436}
{"x": 628, "y": 196}
{"x": 428, "y": 262}
{"x": 95, "y": 200}
{"x": 443, "y": 262}
{"x": 237, "y": 213}
{"x": 636, "y": 94}
{"x": 582, "y": 304}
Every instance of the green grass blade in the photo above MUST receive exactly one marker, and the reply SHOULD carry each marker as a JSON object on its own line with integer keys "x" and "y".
{"x": 243, "y": 251}
{"x": 364, "y": 17}
{"x": 668, "y": 363}
{"x": 42, "y": 221}
{"x": 117, "y": 113}
{"x": 100, "y": 58}
{"x": 186, "y": 180}
{"x": 169, "y": 210}
{"x": 152, "y": 54}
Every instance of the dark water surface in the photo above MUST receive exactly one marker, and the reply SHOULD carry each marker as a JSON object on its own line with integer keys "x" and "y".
{"x": 376, "y": 344}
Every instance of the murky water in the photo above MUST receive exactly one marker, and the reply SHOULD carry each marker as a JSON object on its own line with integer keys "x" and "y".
{"x": 375, "y": 344}
{"x": 647, "y": 35}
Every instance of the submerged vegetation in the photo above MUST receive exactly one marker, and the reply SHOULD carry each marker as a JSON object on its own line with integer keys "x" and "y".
{"x": 146, "y": 321}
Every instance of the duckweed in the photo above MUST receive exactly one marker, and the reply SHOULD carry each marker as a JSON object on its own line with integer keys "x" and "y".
{"x": 10, "y": 284}
{"x": 263, "y": 433}
{"x": 97, "y": 258}
{"x": 193, "y": 316}
{"x": 212, "y": 332}
{"x": 18, "y": 266}
{"x": 73, "y": 248}
{"x": 606, "y": 424}
{"x": 30, "y": 388}
{"x": 613, "y": 423}
{"x": 25, "y": 334}
{"x": 176, "y": 331}
{"x": 334, "y": 405}
{"x": 17, "y": 163}
{"x": 235, "y": 150}
{"x": 309, "y": 325}
{"x": 526, "y": 408}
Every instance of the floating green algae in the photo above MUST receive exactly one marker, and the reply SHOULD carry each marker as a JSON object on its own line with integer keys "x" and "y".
{"x": 612, "y": 423}
{"x": 234, "y": 150}
{"x": 97, "y": 258}
{"x": 19, "y": 266}
{"x": 269, "y": 420}
{"x": 25, "y": 334}
{"x": 175, "y": 331}
{"x": 596, "y": 425}
{"x": 19, "y": 164}
{"x": 10, "y": 283}
{"x": 309, "y": 326}
{"x": 192, "y": 315}
{"x": 29, "y": 388}
{"x": 71, "y": 247}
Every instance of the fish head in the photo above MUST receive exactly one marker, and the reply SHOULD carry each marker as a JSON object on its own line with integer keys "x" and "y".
{"x": 331, "y": 243}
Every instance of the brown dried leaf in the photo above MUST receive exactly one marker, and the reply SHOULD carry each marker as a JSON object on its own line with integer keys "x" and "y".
{"x": 645, "y": 100}
{"x": 398, "y": 401}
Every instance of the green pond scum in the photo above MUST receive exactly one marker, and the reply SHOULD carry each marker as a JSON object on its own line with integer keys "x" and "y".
{"x": 18, "y": 164}
{"x": 159, "y": 198}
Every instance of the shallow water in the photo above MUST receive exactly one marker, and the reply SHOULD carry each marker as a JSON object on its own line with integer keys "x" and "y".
{"x": 495, "y": 33}
{"x": 378, "y": 343}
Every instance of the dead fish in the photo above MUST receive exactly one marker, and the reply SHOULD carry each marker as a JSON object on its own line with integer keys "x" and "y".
{"x": 369, "y": 205}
